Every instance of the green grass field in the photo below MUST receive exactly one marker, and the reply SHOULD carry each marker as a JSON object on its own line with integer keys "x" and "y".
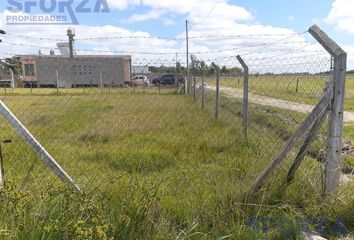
{"x": 153, "y": 166}
{"x": 305, "y": 89}
{"x": 295, "y": 88}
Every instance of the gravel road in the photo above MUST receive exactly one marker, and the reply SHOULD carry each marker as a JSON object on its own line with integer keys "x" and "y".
{"x": 283, "y": 104}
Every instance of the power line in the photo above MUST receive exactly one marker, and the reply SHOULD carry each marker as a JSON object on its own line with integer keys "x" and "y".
{"x": 208, "y": 15}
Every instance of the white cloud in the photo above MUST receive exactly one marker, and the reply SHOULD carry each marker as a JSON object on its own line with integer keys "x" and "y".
{"x": 350, "y": 51}
{"x": 168, "y": 22}
{"x": 197, "y": 10}
{"x": 225, "y": 19}
{"x": 16, "y": 43}
{"x": 291, "y": 18}
{"x": 150, "y": 15}
{"x": 122, "y": 4}
{"x": 342, "y": 15}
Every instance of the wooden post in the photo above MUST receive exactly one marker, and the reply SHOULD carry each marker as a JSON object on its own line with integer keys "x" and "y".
{"x": 335, "y": 133}
{"x": 217, "y": 101}
{"x": 245, "y": 95}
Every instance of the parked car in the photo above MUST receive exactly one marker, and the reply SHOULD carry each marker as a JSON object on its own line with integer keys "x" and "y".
{"x": 140, "y": 80}
{"x": 168, "y": 79}
{"x": 205, "y": 86}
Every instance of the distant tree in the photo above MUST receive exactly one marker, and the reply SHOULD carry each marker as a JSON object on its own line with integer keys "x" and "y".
{"x": 16, "y": 66}
{"x": 196, "y": 66}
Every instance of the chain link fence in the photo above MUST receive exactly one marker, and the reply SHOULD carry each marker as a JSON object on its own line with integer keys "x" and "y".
{"x": 156, "y": 155}
{"x": 282, "y": 91}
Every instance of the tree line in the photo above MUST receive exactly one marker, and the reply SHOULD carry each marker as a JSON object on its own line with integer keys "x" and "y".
{"x": 198, "y": 67}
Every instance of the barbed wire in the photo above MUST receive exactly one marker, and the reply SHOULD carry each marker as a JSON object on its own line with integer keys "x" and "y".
{"x": 313, "y": 53}
{"x": 221, "y": 36}
{"x": 164, "y": 53}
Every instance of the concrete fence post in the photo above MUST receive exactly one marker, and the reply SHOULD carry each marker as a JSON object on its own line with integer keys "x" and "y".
{"x": 36, "y": 146}
{"x": 203, "y": 90}
{"x": 13, "y": 86}
{"x": 2, "y": 174}
{"x": 57, "y": 80}
{"x": 194, "y": 88}
{"x": 101, "y": 82}
{"x": 130, "y": 73}
{"x": 245, "y": 95}
{"x": 217, "y": 101}
{"x": 335, "y": 132}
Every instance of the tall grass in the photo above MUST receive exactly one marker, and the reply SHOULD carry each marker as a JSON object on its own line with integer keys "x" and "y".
{"x": 152, "y": 166}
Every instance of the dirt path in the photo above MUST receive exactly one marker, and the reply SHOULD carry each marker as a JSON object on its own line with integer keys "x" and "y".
{"x": 283, "y": 104}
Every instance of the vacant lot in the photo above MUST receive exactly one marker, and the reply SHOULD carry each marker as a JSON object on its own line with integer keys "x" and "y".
{"x": 304, "y": 89}
{"x": 153, "y": 166}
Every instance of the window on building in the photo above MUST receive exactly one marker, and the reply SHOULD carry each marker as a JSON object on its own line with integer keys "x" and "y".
{"x": 29, "y": 70}
{"x": 82, "y": 70}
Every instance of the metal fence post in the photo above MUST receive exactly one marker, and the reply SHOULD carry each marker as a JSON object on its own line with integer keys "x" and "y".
{"x": 335, "y": 133}
{"x": 245, "y": 95}
{"x": 217, "y": 107}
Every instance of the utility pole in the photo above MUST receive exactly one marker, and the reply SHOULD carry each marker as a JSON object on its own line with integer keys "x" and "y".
{"x": 187, "y": 83}
{"x": 71, "y": 35}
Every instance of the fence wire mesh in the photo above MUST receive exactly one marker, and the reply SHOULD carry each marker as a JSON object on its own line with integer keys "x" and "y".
{"x": 282, "y": 90}
{"x": 142, "y": 144}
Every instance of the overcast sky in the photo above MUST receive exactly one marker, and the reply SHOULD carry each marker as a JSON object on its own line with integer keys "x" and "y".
{"x": 166, "y": 18}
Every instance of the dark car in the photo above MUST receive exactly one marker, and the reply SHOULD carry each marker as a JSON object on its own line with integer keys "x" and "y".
{"x": 167, "y": 79}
